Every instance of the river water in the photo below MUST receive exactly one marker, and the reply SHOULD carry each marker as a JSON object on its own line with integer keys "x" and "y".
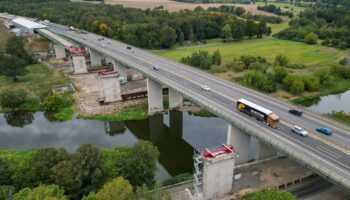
{"x": 334, "y": 102}
{"x": 176, "y": 135}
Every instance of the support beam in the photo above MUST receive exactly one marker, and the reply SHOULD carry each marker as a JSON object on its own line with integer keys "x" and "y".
{"x": 60, "y": 52}
{"x": 122, "y": 71}
{"x": 155, "y": 96}
{"x": 96, "y": 58}
{"x": 79, "y": 64}
{"x": 264, "y": 151}
{"x": 241, "y": 143}
{"x": 175, "y": 99}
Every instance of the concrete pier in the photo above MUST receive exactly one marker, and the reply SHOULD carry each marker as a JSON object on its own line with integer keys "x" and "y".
{"x": 156, "y": 128}
{"x": 122, "y": 71}
{"x": 96, "y": 58}
{"x": 175, "y": 99}
{"x": 109, "y": 88}
{"x": 240, "y": 142}
{"x": 155, "y": 97}
{"x": 60, "y": 52}
{"x": 264, "y": 151}
{"x": 79, "y": 64}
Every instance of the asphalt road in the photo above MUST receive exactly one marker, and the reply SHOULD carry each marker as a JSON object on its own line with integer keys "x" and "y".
{"x": 223, "y": 95}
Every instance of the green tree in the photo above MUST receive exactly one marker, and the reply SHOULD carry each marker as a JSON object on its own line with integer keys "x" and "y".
{"x": 258, "y": 80}
{"x": 258, "y": 66}
{"x": 103, "y": 29}
{"x": 12, "y": 98}
{"x": 311, "y": 38}
{"x": 281, "y": 60}
{"x": 269, "y": 194}
{"x": 15, "y": 48}
{"x": 52, "y": 102}
{"x": 238, "y": 29}
{"x": 251, "y": 28}
{"x": 312, "y": 83}
{"x": 43, "y": 192}
{"x": 182, "y": 38}
{"x": 140, "y": 165}
{"x": 280, "y": 73}
{"x": 12, "y": 66}
{"x": 226, "y": 32}
{"x": 118, "y": 188}
{"x": 323, "y": 75}
{"x": 200, "y": 59}
{"x": 6, "y": 192}
{"x": 294, "y": 84}
{"x": 5, "y": 172}
{"x": 261, "y": 29}
{"x": 167, "y": 36}
{"x": 216, "y": 58}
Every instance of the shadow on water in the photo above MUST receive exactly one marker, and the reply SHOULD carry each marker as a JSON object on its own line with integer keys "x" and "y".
{"x": 19, "y": 119}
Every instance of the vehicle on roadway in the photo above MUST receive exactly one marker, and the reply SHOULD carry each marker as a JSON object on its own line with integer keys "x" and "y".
{"x": 258, "y": 112}
{"x": 156, "y": 68}
{"x": 206, "y": 88}
{"x": 300, "y": 131}
{"x": 296, "y": 112}
{"x": 103, "y": 45}
{"x": 324, "y": 130}
{"x": 71, "y": 28}
{"x": 128, "y": 47}
{"x": 99, "y": 39}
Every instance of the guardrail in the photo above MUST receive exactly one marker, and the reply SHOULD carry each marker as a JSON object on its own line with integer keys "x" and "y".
{"x": 222, "y": 112}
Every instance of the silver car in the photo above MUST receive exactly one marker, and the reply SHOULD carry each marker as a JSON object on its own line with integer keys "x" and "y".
{"x": 300, "y": 131}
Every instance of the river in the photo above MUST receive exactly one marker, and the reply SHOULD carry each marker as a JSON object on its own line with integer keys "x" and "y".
{"x": 329, "y": 103}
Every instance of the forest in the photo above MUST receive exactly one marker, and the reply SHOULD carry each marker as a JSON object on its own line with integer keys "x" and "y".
{"x": 151, "y": 28}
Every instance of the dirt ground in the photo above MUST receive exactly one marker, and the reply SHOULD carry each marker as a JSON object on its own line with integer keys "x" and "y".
{"x": 37, "y": 44}
{"x": 176, "y": 6}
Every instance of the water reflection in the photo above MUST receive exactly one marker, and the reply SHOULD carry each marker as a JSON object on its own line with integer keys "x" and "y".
{"x": 327, "y": 104}
{"x": 176, "y": 135}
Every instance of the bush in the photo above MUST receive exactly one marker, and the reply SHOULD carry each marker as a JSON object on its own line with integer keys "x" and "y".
{"x": 345, "y": 61}
{"x": 200, "y": 59}
{"x": 312, "y": 83}
{"x": 52, "y": 102}
{"x": 269, "y": 194}
{"x": 216, "y": 58}
{"x": 257, "y": 66}
{"x": 311, "y": 38}
{"x": 13, "y": 98}
{"x": 342, "y": 45}
{"x": 280, "y": 73}
{"x": 293, "y": 84}
{"x": 324, "y": 75}
{"x": 342, "y": 71}
{"x": 259, "y": 80}
{"x": 281, "y": 60}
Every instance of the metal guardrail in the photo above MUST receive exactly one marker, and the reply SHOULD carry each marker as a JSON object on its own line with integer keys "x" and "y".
{"x": 222, "y": 112}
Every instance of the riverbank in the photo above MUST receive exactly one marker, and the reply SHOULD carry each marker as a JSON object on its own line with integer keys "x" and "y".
{"x": 341, "y": 116}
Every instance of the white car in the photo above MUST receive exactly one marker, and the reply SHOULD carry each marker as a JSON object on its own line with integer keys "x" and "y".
{"x": 300, "y": 131}
{"x": 206, "y": 88}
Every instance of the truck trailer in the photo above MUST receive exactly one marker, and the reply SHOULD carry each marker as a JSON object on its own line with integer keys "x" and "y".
{"x": 260, "y": 113}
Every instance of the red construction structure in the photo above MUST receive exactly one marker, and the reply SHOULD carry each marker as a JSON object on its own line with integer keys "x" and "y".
{"x": 212, "y": 153}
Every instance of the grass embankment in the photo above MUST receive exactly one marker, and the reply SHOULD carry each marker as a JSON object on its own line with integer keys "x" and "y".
{"x": 38, "y": 81}
{"x": 313, "y": 57}
{"x": 17, "y": 155}
{"x": 138, "y": 112}
{"x": 341, "y": 116}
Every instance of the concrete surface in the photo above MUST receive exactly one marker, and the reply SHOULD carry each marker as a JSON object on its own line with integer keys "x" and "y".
{"x": 79, "y": 64}
{"x": 175, "y": 99}
{"x": 60, "y": 52}
{"x": 122, "y": 70}
{"x": 264, "y": 151}
{"x": 109, "y": 87}
{"x": 241, "y": 143}
{"x": 155, "y": 96}
{"x": 95, "y": 57}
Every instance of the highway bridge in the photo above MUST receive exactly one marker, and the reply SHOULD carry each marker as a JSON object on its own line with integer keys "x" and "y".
{"x": 327, "y": 156}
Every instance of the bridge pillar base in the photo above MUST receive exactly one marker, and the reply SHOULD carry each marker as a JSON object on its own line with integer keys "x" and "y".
{"x": 60, "y": 52}
{"x": 109, "y": 88}
{"x": 264, "y": 151}
{"x": 175, "y": 99}
{"x": 155, "y": 97}
{"x": 79, "y": 64}
{"x": 96, "y": 58}
{"x": 240, "y": 142}
{"x": 122, "y": 71}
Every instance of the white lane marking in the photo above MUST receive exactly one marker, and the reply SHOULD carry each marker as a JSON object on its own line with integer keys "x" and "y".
{"x": 276, "y": 135}
{"x": 327, "y": 152}
{"x": 334, "y": 153}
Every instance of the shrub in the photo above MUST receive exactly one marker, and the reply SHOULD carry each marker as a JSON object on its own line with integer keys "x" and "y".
{"x": 293, "y": 84}
{"x": 12, "y": 98}
{"x": 259, "y": 80}
{"x": 53, "y": 101}
{"x": 257, "y": 66}
{"x": 281, "y": 60}
{"x": 280, "y": 73}
{"x": 311, "y": 38}
{"x": 296, "y": 66}
{"x": 312, "y": 83}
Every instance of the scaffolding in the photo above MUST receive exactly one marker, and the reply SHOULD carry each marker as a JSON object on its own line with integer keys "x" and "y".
{"x": 198, "y": 174}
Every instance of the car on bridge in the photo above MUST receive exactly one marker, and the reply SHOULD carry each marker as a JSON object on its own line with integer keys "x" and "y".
{"x": 128, "y": 47}
{"x": 324, "y": 130}
{"x": 300, "y": 131}
{"x": 155, "y": 68}
{"x": 206, "y": 88}
{"x": 296, "y": 112}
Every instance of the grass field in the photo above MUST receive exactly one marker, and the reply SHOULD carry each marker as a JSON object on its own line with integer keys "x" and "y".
{"x": 297, "y": 52}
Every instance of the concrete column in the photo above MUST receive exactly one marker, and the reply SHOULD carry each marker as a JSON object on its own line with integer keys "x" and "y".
{"x": 264, "y": 151}
{"x": 79, "y": 64}
{"x": 155, "y": 96}
{"x": 109, "y": 88}
{"x": 156, "y": 128}
{"x": 109, "y": 60}
{"x": 175, "y": 99}
{"x": 96, "y": 58}
{"x": 118, "y": 67}
{"x": 60, "y": 52}
{"x": 240, "y": 142}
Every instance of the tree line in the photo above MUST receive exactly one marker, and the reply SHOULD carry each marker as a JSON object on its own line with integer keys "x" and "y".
{"x": 276, "y": 10}
{"x": 88, "y": 173}
{"x": 150, "y": 28}
{"x": 329, "y": 23}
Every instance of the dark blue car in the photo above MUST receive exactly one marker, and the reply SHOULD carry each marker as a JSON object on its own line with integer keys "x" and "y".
{"x": 326, "y": 131}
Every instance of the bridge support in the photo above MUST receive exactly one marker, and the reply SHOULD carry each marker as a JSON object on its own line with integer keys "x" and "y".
{"x": 155, "y": 97}
{"x": 241, "y": 143}
{"x": 176, "y": 123}
{"x": 175, "y": 99}
{"x": 156, "y": 128}
{"x": 96, "y": 58}
{"x": 109, "y": 60}
{"x": 60, "y": 52}
{"x": 109, "y": 88}
{"x": 79, "y": 64}
{"x": 121, "y": 71}
{"x": 264, "y": 151}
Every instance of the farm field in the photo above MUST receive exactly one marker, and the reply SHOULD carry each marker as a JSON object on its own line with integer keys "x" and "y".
{"x": 297, "y": 52}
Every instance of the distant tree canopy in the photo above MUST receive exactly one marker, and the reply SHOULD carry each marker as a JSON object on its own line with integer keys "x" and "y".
{"x": 150, "y": 28}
